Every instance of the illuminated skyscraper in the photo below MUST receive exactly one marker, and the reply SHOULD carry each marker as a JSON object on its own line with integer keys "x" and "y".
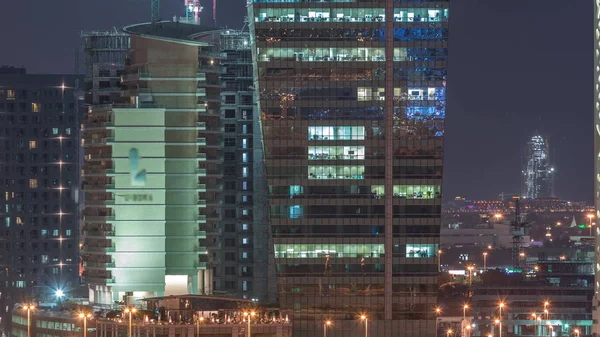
{"x": 152, "y": 170}
{"x": 596, "y": 300}
{"x": 39, "y": 172}
{"x": 538, "y": 173}
{"x": 352, "y": 97}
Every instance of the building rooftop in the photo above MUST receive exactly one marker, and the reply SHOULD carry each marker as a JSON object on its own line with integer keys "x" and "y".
{"x": 173, "y": 31}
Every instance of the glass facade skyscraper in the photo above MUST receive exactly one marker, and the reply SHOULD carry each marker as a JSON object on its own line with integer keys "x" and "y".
{"x": 538, "y": 173}
{"x": 352, "y": 97}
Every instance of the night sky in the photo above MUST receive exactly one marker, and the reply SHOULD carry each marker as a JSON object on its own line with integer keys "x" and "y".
{"x": 516, "y": 66}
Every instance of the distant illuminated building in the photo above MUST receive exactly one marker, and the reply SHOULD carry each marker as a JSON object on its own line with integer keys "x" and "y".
{"x": 538, "y": 173}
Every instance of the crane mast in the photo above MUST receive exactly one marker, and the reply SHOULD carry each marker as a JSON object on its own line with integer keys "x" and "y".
{"x": 155, "y": 10}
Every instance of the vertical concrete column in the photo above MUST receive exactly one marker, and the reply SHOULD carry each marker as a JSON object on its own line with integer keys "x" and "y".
{"x": 389, "y": 154}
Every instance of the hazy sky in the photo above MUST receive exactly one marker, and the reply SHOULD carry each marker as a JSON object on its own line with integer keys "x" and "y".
{"x": 516, "y": 66}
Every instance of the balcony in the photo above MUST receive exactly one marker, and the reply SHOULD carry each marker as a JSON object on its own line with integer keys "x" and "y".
{"x": 201, "y": 187}
{"x": 100, "y": 279}
{"x": 201, "y": 203}
{"x": 200, "y": 265}
{"x": 201, "y": 218}
{"x": 201, "y": 141}
{"x": 108, "y": 249}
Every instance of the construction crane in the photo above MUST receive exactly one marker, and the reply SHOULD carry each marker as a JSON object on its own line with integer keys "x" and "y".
{"x": 518, "y": 229}
{"x": 155, "y": 10}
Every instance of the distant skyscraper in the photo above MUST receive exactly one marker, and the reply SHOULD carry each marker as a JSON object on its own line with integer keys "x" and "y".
{"x": 352, "y": 98}
{"x": 538, "y": 173}
{"x": 39, "y": 161}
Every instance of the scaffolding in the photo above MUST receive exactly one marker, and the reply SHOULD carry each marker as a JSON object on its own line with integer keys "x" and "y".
{"x": 105, "y": 54}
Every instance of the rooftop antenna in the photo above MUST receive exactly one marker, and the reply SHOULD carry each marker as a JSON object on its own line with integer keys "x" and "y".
{"x": 215, "y": 12}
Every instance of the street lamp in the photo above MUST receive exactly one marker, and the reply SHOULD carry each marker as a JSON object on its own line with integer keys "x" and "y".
{"x": 325, "y": 326}
{"x": 198, "y": 321}
{"x": 485, "y": 254}
{"x": 465, "y": 307}
{"x": 85, "y": 317}
{"x": 590, "y": 217}
{"x": 130, "y": 311}
{"x": 551, "y": 329}
{"x": 576, "y": 331}
{"x": 468, "y": 327}
{"x": 29, "y": 309}
{"x": 438, "y": 311}
{"x": 449, "y": 332}
{"x": 366, "y": 319}
{"x": 249, "y": 316}
{"x": 499, "y": 322}
{"x": 470, "y": 268}
{"x": 498, "y": 216}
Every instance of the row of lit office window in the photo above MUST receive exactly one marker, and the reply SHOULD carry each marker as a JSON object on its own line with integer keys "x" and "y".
{"x": 349, "y": 15}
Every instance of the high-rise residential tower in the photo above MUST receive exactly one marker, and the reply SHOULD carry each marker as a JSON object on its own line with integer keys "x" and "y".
{"x": 352, "y": 97}
{"x": 39, "y": 118}
{"x": 538, "y": 173}
{"x": 244, "y": 254}
{"x": 152, "y": 170}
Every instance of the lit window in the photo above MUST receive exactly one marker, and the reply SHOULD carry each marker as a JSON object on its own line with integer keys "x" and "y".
{"x": 244, "y": 157}
{"x": 19, "y": 220}
{"x": 245, "y": 227}
{"x": 68, "y": 130}
{"x": 68, "y": 232}
{"x": 32, "y": 144}
{"x": 244, "y": 212}
{"x": 33, "y": 183}
{"x": 35, "y": 107}
{"x": 55, "y": 131}
{"x": 244, "y": 185}
{"x": 10, "y": 94}
{"x": 245, "y": 241}
{"x": 244, "y": 143}
{"x": 244, "y": 255}
{"x": 55, "y": 232}
{"x": 245, "y": 285}
{"x": 244, "y": 171}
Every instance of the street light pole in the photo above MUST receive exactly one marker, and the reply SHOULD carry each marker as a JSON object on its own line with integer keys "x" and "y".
{"x": 130, "y": 311}
{"x": 29, "y": 308}
{"x": 366, "y": 319}
{"x": 325, "y": 325}
{"x": 438, "y": 311}
{"x": 85, "y": 317}
{"x": 198, "y": 321}
{"x": 439, "y": 260}
{"x": 249, "y": 316}
{"x": 485, "y": 254}
{"x": 590, "y": 217}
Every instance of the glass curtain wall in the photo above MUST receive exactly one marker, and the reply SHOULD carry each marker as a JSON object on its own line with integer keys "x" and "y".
{"x": 352, "y": 97}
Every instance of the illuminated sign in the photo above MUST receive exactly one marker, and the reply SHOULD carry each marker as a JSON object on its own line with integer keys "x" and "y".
{"x": 137, "y": 176}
